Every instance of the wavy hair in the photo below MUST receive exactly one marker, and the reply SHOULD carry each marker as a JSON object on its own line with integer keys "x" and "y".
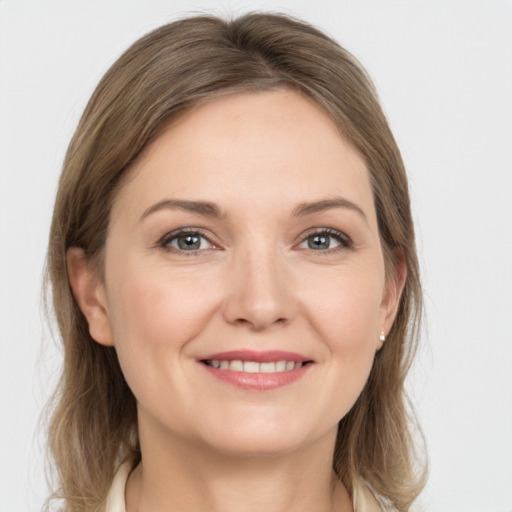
{"x": 93, "y": 425}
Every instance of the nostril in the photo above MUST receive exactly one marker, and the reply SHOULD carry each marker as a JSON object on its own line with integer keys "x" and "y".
{"x": 259, "y": 322}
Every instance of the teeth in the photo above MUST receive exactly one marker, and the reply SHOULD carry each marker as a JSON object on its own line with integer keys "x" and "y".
{"x": 250, "y": 367}
{"x": 236, "y": 366}
{"x": 254, "y": 367}
{"x": 280, "y": 366}
{"x": 267, "y": 367}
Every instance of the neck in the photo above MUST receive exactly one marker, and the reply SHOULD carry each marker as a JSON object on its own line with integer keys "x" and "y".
{"x": 176, "y": 475}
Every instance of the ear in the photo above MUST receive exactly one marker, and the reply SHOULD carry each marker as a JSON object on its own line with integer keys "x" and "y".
{"x": 393, "y": 291}
{"x": 89, "y": 293}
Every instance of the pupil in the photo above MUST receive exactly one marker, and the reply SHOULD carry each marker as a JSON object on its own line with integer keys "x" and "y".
{"x": 318, "y": 242}
{"x": 189, "y": 242}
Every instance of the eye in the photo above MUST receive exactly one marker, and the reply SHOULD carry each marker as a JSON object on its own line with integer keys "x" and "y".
{"x": 186, "y": 241}
{"x": 327, "y": 239}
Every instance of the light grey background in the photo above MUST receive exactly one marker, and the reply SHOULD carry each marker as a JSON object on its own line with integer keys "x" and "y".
{"x": 444, "y": 73}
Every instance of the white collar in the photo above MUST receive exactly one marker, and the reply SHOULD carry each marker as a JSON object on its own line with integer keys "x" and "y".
{"x": 115, "y": 498}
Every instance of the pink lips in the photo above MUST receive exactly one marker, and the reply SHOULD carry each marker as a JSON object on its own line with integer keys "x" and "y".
{"x": 259, "y": 381}
{"x": 259, "y": 357}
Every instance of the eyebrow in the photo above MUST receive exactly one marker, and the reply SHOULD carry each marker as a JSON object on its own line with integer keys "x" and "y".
{"x": 209, "y": 209}
{"x": 303, "y": 209}
{"x": 204, "y": 208}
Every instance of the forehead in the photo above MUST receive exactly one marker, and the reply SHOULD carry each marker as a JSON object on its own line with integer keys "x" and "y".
{"x": 270, "y": 147}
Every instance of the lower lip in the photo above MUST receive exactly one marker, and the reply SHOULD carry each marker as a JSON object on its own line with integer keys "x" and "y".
{"x": 257, "y": 381}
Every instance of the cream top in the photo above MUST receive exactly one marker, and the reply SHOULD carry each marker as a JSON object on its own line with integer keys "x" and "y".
{"x": 364, "y": 501}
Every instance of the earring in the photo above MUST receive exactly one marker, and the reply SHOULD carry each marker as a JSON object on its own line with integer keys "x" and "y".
{"x": 382, "y": 337}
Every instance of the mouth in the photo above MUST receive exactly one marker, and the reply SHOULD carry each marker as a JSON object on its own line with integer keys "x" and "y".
{"x": 238, "y": 365}
{"x": 257, "y": 371}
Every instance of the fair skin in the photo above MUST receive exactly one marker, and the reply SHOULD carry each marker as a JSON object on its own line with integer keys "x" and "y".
{"x": 285, "y": 256}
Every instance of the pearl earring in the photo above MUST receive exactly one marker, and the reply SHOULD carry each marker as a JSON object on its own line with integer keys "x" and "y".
{"x": 382, "y": 337}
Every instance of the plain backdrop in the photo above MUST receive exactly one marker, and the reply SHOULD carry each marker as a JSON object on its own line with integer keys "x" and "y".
{"x": 444, "y": 73}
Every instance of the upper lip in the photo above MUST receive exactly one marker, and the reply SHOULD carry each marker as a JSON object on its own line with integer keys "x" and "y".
{"x": 266, "y": 356}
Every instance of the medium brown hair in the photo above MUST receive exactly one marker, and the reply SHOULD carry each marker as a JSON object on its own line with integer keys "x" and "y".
{"x": 94, "y": 421}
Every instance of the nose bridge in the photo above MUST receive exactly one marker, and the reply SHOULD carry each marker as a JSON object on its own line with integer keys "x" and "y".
{"x": 261, "y": 291}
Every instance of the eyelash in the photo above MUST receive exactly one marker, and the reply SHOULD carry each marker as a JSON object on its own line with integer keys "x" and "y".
{"x": 344, "y": 241}
{"x": 174, "y": 235}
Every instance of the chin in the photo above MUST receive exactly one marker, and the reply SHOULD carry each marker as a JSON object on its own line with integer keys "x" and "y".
{"x": 267, "y": 440}
{"x": 257, "y": 446}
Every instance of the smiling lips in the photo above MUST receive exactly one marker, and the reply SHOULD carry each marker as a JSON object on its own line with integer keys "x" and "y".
{"x": 257, "y": 371}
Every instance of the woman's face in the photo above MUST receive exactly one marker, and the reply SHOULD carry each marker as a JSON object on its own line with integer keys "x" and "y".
{"x": 244, "y": 278}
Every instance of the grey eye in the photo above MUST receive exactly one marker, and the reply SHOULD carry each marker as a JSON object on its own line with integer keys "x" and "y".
{"x": 320, "y": 242}
{"x": 189, "y": 242}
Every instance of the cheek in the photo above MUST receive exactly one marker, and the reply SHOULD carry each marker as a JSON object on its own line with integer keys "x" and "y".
{"x": 346, "y": 308}
{"x": 153, "y": 315}
{"x": 157, "y": 307}
{"x": 346, "y": 313}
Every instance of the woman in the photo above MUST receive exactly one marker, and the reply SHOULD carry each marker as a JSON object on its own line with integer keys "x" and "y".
{"x": 234, "y": 274}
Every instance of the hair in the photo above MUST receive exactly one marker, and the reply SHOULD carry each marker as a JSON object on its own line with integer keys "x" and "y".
{"x": 93, "y": 427}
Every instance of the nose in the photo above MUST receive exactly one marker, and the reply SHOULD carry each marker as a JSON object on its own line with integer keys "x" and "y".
{"x": 260, "y": 291}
